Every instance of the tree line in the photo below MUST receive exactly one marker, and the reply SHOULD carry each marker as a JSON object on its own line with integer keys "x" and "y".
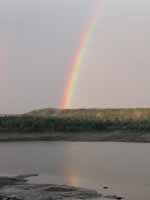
{"x": 67, "y": 124}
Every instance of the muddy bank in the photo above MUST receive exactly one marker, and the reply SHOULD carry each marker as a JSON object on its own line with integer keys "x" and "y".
{"x": 83, "y": 136}
{"x": 17, "y": 188}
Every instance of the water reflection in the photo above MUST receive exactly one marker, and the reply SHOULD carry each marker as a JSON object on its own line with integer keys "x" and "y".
{"x": 73, "y": 180}
{"x": 123, "y": 167}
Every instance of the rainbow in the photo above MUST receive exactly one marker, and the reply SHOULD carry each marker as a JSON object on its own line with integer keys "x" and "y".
{"x": 78, "y": 60}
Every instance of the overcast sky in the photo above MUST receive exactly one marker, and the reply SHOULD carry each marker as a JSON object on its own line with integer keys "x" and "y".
{"x": 39, "y": 38}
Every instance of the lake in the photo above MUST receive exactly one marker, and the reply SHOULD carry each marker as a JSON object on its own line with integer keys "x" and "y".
{"x": 123, "y": 167}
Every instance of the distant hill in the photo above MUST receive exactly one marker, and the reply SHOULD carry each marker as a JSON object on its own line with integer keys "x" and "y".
{"x": 78, "y": 125}
{"x": 43, "y": 112}
{"x": 101, "y": 114}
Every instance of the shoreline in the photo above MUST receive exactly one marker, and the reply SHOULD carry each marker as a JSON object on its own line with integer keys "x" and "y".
{"x": 77, "y": 137}
{"x": 18, "y": 188}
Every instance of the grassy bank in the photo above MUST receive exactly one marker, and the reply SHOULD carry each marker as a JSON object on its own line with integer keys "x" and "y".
{"x": 81, "y": 124}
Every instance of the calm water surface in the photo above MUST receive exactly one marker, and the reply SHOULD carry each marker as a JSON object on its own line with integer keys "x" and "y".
{"x": 124, "y": 167}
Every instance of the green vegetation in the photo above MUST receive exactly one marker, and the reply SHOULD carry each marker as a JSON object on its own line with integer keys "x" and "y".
{"x": 79, "y": 120}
